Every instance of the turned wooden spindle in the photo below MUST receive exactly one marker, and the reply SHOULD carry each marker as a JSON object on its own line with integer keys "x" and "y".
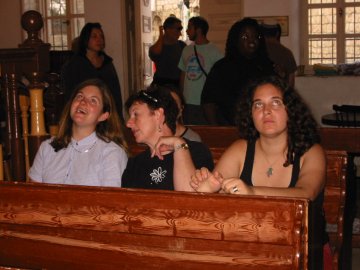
{"x": 37, "y": 109}
{"x": 24, "y": 106}
{"x": 1, "y": 164}
{"x": 17, "y": 143}
{"x": 7, "y": 138}
{"x": 37, "y": 120}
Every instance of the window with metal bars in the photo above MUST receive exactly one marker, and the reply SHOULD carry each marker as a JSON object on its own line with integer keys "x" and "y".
{"x": 63, "y": 20}
{"x": 332, "y": 31}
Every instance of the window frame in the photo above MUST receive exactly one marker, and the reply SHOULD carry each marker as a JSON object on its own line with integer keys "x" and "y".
{"x": 340, "y": 35}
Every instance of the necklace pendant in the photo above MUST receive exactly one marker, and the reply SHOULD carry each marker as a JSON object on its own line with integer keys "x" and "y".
{"x": 269, "y": 172}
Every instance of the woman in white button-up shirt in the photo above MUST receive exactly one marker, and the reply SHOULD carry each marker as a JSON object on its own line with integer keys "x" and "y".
{"x": 90, "y": 148}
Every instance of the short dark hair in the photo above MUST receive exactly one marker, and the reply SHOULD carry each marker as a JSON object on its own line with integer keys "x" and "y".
{"x": 85, "y": 36}
{"x": 157, "y": 97}
{"x": 170, "y": 21}
{"x": 200, "y": 22}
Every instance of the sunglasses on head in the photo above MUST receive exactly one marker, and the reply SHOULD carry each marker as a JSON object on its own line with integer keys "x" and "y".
{"x": 148, "y": 96}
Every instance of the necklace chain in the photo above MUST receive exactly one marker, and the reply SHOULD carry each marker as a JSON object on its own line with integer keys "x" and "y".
{"x": 84, "y": 151}
{"x": 270, "y": 170}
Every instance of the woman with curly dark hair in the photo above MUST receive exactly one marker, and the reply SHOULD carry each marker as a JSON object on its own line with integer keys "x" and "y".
{"x": 279, "y": 155}
{"x": 301, "y": 126}
{"x": 279, "y": 142}
{"x": 245, "y": 60}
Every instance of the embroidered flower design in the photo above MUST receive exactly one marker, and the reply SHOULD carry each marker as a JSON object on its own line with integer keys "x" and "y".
{"x": 158, "y": 175}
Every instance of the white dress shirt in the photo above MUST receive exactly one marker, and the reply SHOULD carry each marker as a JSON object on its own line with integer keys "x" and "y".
{"x": 88, "y": 162}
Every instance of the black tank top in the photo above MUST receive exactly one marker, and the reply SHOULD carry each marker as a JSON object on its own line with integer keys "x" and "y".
{"x": 246, "y": 173}
{"x": 317, "y": 234}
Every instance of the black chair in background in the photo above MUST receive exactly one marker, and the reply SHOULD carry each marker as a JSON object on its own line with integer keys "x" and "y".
{"x": 347, "y": 115}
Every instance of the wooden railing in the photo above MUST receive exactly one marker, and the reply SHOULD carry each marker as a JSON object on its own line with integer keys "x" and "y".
{"x": 29, "y": 62}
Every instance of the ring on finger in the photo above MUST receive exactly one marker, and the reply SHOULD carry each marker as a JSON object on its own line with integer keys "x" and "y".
{"x": 235, "y": 189}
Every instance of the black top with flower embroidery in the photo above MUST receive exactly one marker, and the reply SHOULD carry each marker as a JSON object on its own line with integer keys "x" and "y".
{"x": 142, "y": 171}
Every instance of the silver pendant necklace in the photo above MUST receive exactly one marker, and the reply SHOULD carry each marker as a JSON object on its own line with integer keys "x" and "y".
{"x": 270, "y": 171}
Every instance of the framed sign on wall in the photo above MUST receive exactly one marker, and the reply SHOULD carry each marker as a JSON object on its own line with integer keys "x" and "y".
{"x": 282, "y": 20}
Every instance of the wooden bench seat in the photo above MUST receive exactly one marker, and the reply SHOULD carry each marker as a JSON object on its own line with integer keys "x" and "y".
{"x": 67, "y": 227}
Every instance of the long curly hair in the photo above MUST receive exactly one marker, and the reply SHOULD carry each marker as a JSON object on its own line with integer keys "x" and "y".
{"x": 109, "y": 130}
{"x": 157, "y": 97}
{"x": 302, "y": 129}
{"x": 232, "y": 42}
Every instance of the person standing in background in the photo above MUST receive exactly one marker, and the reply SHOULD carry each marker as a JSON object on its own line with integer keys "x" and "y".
{"x": 195, "y": 63}
{"x": 166, "y": 52}
{"x": 245, "y": 60}
{"x": 90, "y": 62}
{"x": 283, "y": 58}
{"x": 181, "y": 130}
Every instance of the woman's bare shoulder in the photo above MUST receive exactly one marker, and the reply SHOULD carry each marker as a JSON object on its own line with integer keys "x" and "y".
{"x": 315, "y": 152}
{"x": 230, "y": 163}
{"x": 238, "y": 144}
{"x": 235, "y": 151}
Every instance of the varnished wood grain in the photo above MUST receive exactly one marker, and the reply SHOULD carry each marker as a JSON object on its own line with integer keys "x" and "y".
{"x": 335, "y": 194}
{"x": 112, "y": 228}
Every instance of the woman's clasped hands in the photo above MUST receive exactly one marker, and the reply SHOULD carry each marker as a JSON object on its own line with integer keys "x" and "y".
{"x": 205, "y": 181}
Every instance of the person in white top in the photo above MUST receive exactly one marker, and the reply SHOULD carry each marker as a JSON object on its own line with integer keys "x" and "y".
{"x": 195, "y": 63}
{"x": 90, "y": 148}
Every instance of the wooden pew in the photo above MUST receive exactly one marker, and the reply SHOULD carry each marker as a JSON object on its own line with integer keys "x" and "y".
{"x": 70, "y": 227}
{"x": 334, "y": 202}
{"x": 337, "y": 173}
{"x": 347, "y": 139}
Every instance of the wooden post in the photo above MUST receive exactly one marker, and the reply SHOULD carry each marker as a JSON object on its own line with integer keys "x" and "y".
{"x": 17, "y": 143}
{"x": 32, "y": 23}
{"x": 1, "y": 164}
{"x": 7, "y": 137}
{"x": 24, "y": 106}
{"x": 38, "y": 132}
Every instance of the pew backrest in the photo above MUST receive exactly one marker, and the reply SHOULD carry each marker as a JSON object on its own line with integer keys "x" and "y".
{"x": 44, "y": 226}
{"x": 335, "y": 199}
{"x": 344, "y": 139}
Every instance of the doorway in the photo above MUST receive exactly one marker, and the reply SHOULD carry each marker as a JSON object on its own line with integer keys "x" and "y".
{"x": 143, "y": 18}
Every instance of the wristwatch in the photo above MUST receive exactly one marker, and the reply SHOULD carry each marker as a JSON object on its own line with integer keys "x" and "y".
{"x": 184, "y": 146}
